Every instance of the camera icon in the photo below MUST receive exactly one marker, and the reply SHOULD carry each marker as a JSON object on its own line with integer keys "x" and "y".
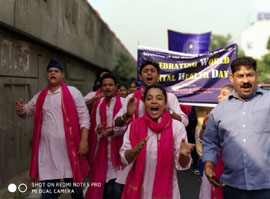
{"x": 22, "y": 188}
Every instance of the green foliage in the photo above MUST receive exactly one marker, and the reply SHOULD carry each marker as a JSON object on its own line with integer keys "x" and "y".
{"x": 240, "y": 53}
{"x": 263, "y": 66}
{"x": 218, "y": 41}
{"x": 268, "y": 44}
{"x": 123, "y": 71}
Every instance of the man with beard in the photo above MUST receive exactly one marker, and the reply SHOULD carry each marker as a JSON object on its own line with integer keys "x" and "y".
{"x": 240, "y": 126}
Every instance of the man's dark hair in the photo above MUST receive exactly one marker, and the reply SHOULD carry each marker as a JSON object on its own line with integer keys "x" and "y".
{"x": 243, "y": 61}
{"x": 102, "y": 71}
{"x": 96, "y": 86}
{"x": 106, "y": 76}
{"x": 148, "y": 62}
{"x": 155, "y": 86}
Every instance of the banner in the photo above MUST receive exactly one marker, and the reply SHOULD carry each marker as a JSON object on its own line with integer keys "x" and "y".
{"x": 192, "y": 78}
{"x": 189, "y": 43}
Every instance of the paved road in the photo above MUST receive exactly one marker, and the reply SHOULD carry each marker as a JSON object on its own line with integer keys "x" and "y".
{"x": 189, "y": 184}
{"x": 189, "y": 187}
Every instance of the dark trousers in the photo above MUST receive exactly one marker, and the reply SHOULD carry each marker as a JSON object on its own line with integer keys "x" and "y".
{"x": 51, "y": 188}
{"x": 112, "y": 190}
{"x": 201, "y": 167}
{"x": 195, "y": 158}
{"x": 233, "y": 193}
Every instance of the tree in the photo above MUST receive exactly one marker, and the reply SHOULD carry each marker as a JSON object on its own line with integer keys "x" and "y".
{"x": 123, "y": 71}
{"x": 268, "y": 44}
{"x": 240, "y": 53}
{"x": 218, "y": 41}
{"x": 263, "y": 66}
{"x": 264, "y": 69}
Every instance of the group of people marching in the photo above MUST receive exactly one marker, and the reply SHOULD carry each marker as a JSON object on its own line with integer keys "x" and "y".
{"x": 130, "y": 147}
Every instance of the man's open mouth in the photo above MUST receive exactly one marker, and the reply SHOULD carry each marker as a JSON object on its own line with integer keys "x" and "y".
{"x": 149, "y": 78}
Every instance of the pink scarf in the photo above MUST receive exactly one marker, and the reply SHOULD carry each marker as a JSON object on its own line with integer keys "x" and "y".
{"x": 139, "y": 96}
{"x": 72, "y": 134}
{"x": 92, "y": 137}
{"x": 164, "y": 170}
{"x": 217, "y": 192}
{"x": 101, "y": 158}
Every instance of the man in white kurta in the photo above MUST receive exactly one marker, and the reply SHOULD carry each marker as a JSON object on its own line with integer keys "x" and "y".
{"x": 53, "y": 162}
{"x": 112, "y": 173}
{"x": 50, "y": 155}
{"x": 105, "y": 131}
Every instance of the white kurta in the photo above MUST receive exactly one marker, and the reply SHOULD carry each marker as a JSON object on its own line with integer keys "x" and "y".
{"x": 53, "y": 160}
{"x": 179, "y": 133}
{"x": 112, "y": 173}
{"x": 90, "y": 95}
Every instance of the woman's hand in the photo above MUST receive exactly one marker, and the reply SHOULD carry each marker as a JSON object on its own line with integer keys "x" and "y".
{"x": 185, "y": 151}
{"x": 186, "y": 148}
{"x": 130, "y": 155}
{"x": 137, "y": 149}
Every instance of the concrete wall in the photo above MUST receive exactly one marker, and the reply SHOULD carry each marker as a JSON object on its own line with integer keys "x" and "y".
{"x": 31, "y": 32}
{"x": 70, "y": 25}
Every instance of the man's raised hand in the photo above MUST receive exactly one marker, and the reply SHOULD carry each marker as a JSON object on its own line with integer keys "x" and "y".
{"x": 131, "y": 106}
{"x": 19, "y": 107}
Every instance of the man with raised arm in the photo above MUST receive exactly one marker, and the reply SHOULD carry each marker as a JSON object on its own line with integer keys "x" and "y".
{"x": 60, "y": 139}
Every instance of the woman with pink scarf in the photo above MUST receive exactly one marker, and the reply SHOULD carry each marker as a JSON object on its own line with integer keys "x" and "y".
{"x": 156, "y": 145}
